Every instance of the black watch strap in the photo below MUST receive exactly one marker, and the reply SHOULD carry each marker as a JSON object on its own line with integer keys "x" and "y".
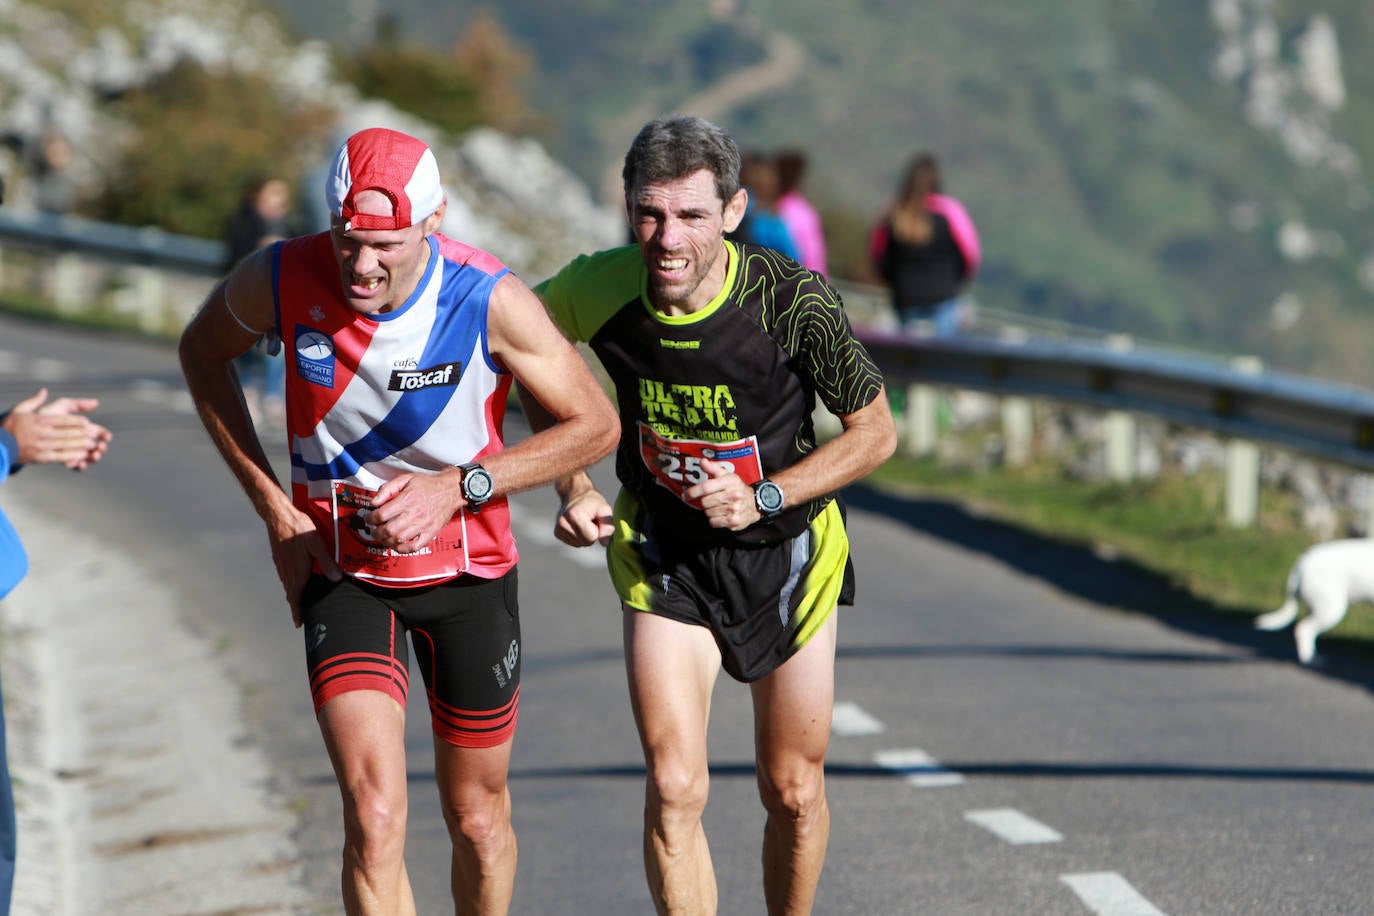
{"x": 768, "y": 498}
{"x": 477, "y": 485}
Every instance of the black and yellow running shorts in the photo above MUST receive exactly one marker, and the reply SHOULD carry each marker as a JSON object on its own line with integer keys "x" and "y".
{"x": 762, "y": 604}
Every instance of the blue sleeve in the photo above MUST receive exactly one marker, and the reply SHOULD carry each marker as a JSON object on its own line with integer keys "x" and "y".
{"x": 9, "y": 452}
{"x": 14, "y": 563}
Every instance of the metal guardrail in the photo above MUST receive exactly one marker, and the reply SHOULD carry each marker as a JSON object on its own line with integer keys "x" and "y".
{"x": 1326, "y": 420}
{"x": 1323, "y": 419}
{"x": 148, "y": 246}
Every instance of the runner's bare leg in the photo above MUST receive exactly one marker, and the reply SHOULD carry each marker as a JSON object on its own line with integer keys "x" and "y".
{"x": 477, "y": 810}
{"x": 672, "y": 668}
{"x": 364, "y": 731}
{"x": 792, "y": 712}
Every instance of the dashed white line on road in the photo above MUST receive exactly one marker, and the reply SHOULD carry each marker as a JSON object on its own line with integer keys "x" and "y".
{"x": 9, "y": 361}
{"x": 1108, "y": 894}
{"x": 150, "y": 391}
{"x": 849, "y": 720}
{"x": 541, "y": 532}
{"x": 1013, "y": 826}
{"x": 49, "y": 370}
{"x": 919, "y": 768}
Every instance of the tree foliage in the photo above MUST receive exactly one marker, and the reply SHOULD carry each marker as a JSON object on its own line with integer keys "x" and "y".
{"x": 196, "y": 140}
{"x": 477, "y": 83}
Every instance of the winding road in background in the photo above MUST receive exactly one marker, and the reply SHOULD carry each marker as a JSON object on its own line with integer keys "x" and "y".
{"x": 1012, "y": 734}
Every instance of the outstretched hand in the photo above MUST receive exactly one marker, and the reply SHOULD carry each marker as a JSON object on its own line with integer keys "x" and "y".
{"x": 57, "y": 432}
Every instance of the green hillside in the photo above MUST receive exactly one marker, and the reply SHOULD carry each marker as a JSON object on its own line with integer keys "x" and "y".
{"x": 1111, "y": 170}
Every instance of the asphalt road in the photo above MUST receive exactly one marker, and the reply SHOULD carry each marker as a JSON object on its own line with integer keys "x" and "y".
{"x": 1021, "y": 728}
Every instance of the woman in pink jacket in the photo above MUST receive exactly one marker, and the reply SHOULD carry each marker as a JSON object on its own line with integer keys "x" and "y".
{"x": 926, "y": 249}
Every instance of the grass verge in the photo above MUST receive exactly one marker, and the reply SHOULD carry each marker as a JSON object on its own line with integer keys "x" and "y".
{"x": 1173, "y": 526}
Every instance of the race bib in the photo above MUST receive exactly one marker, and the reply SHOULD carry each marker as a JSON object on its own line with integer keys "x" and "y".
{"x": 358, "y": 554}
{"x": 676, "y": 463}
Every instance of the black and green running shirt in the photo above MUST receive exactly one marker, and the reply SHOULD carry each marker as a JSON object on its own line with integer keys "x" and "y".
{"x": 734, "y": 381}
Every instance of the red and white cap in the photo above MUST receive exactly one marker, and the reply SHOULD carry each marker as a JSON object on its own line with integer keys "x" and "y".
{"x": 397, "y": 165}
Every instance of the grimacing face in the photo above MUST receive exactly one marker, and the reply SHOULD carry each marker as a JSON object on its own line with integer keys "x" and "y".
{"x": 680, "y": 227}
{"x": 380, "y": 268}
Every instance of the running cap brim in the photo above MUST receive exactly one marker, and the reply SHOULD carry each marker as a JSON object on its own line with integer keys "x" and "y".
{"x": 392, "y": 163}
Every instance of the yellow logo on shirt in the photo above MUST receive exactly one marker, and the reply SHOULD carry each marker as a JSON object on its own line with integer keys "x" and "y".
{"x": 689, "y": 411}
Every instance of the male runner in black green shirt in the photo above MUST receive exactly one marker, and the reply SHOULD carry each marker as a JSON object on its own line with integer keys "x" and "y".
{"x": 727, "y": 543}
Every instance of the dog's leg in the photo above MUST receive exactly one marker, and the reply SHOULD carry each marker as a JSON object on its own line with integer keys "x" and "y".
{"x": 1305, "y": 635}
{"x": 1324, "y": 612}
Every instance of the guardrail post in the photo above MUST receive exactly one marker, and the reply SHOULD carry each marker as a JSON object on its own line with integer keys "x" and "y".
{"x": 1369, "y": 506}
{"x": 1243, "y": 465}
{"x": 66, "y": 283}
{"x": 150, "y": 292}
{"x": 1018, "y": 428}
{"x": 1242, "y": 483}
{"x": 1121, "y": 446}
{"x": 921, "y": 423}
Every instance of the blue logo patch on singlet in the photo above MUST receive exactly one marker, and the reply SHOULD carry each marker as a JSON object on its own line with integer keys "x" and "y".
{"x": 314, "y": 356}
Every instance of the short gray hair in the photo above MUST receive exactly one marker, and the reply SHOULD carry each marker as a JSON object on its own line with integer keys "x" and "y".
{"x": 672, "y": 148}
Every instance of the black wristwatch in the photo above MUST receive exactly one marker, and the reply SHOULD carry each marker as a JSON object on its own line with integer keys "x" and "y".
{"x": 768, "y": 498}
{"x": 477, "y": 485}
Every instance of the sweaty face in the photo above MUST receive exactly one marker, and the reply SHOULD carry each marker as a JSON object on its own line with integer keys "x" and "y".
{"x": 379, "y": 268}
{"x": 680, "y": 226}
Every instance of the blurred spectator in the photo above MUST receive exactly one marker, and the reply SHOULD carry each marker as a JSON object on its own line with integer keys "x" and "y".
{"x": 35, "y": 432}
{"x": 801, "y": 218}
{"x": 51, "y": 161}
{"x": 926, "y": 250}
{"x": 263, "y": 217}
{"x": 761, "y": 224}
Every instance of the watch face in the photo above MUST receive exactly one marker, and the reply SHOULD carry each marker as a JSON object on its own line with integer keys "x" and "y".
{"x": 477, "y": 484}
{"x": 769, "y": 496}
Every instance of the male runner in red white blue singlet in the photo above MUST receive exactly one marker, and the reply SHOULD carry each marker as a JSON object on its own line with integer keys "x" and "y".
{"x": 402, "y": 346}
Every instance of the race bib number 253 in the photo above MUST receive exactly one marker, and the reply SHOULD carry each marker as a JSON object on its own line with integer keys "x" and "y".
{"x": 676, "y": 463}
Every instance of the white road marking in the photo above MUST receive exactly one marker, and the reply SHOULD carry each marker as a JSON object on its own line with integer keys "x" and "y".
{"x": 849, "y": 720}
{"x": 9, "y": 361}
{"x": 1108, "y": 894}
{"x": 919, "y": 768}
{"x": 150, "y": 391}
{"x": 1013, "y": 826}
{"x": 541, "y": 532}
{"x": 49, "y": 370}
{"x": 181, "y": 402}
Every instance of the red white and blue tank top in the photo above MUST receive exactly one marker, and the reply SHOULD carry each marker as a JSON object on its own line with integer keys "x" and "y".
{"x": 370, "y": 397}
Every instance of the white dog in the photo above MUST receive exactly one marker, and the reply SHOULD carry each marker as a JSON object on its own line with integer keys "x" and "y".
{"x": 1326, "y": 578}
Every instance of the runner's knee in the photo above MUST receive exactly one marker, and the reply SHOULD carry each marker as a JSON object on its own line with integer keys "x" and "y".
{"x": 479, "y": 819}
{"x": 795, "y": 794}
{"x": 375, "y": 825}
{"x": 678, "y": 791}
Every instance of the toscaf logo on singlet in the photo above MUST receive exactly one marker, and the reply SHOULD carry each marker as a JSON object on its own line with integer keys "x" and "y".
{"x": 444, "y": 374}
{"x": 314, "y": 356}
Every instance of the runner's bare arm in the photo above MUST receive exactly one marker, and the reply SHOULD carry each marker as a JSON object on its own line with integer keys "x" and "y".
{"x": 869, "y": 438}
{"x": 229, "y": 322}
{"x": 549, "y": 369}
{"x": 410, "y": 509}
{"x": 585, "y": 516}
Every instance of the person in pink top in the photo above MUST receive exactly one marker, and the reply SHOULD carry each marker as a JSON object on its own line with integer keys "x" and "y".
{"x": 801, "y": 218}
{"x": 926, "y": 249}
